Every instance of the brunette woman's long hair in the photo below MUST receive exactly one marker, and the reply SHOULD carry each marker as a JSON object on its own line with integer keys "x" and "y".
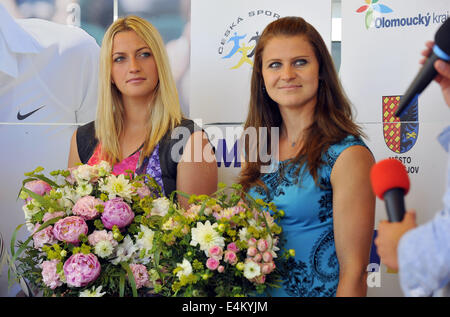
{"x": 332, "y": 118}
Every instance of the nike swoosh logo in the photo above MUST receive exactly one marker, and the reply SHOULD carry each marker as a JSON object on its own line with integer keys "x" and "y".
{"x": 26, "y": 115}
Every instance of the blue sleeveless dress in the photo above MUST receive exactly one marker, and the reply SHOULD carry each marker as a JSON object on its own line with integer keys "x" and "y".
{"x": 307, "y": 224}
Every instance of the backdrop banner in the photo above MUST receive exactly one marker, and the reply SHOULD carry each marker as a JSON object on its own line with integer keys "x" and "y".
{"x": 381, "y": 48}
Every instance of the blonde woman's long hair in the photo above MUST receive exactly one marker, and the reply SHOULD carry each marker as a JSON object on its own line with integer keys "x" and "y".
{"x": 164, "y": 108}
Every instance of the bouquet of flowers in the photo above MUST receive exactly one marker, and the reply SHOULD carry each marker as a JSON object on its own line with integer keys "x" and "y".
{"x": 88, "y": 230}
{"x": 223, "y": 245}
{"x": 98, "y": 234}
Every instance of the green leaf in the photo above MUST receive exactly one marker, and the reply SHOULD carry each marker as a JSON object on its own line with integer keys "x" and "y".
{"x": 122, "y": 284}
{"x": 369, "y": 18}
{"x": 130, "y": 278}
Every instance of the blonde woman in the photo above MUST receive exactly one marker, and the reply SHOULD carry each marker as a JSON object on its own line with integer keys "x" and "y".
{"x": 139, "y": 124}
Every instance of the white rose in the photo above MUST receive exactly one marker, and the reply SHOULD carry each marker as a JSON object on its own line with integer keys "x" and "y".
{"x": 160, "y": 207}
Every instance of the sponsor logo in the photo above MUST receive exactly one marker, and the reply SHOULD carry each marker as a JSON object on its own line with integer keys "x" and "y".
{"x": 238, "y": 43}
{"x": 26, "y": 115}
{"x": 375, "y": 11}
{"x": 400, "y": 134}
{"x": 370, "y": 8}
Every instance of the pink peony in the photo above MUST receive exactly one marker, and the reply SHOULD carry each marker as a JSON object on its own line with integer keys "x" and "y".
{"x": 232, "y": 247}
{"x": 216, "y": 252}
{"x": 45, "y": 236}
{"x": 50, "y": 275}
{"x": 51, "y": 215}
{"x": 117, "y": 212}
{"x": 140, "y": 275}
{"x": 103, "y": 235}
{"x": 260, "y": 279}
{"x": 38, "y": 187}
{"x": 230, "y": 257}
{"x": 81, "y": 269}
{"x": 85, "y": 207}
{"x": 263, "y": 245}
{"x": 257, "y": 258}
{"x": 220, "y": 269}
{"x": 212, "y": 264}
{"x": 69, "y": 229}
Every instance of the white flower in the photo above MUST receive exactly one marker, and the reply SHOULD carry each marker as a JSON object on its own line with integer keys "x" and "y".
{"x": 125, "y": 251}
{"x": 272, "y": 247}
{"x": 104, "y": 249}
{"x": 206, "y": 236}
{"x": 160, "y": 207}
{"x": 93, "y": 292}
{"x": 84, "y": 173}
{"x": 251, "y": 270}
{"x": 170, "y": 224}
{"x": 84, "y": 189}
{"x": 104, "y": 168}
{"x": 144, "y": 240}
{"x": 244, "y": 235}
{"x": 30, "y": 209}
{"x": 186, "y": 268}
{"x": 69, "y": 197}
{"x": 116, "y": 186}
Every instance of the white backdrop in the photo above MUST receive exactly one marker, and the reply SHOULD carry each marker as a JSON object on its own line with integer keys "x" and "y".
{"x": 218, "y": 92}
{"x": 381, "y": 59}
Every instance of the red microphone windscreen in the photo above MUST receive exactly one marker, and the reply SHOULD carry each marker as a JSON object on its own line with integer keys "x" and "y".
{"x": 388, "y": 174}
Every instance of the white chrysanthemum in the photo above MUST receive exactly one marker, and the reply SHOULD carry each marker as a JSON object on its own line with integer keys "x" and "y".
{"x": 93, "y": 292}
{"x": 84, "y": 189}
{"x": 125, "y": 251}
{"x": 144, "y": 240}
{"x": 186, "y": 268}
{"x": 104, "y": 249}
{"x": 160, "y": 207}
{"x": 116, "y": 186}
{"x": 206, "y": 236}
{"x": 251, "y": 270}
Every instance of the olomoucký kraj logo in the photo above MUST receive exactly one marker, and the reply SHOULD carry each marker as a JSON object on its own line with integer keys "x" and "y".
{"x": 370, "y": 8}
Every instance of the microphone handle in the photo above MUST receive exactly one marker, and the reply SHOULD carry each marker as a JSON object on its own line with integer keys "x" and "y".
{"x": 423, "y": 78}
{"x": 395, "y": 204}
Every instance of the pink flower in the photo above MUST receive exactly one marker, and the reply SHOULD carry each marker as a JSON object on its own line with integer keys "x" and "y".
{"x": 38, "y": 187}
{"x": 260, "y": 279}
{"x": 143, "y": 190}
{"x": 252, "y": 251}
{"x": 267, "y": 256}
{"x": 251, "y": 242}
{"x": 230, "y": 257}
{"x": 117, "y": 212}
{"x": 81, "y": 269}
{"x": 263, "y": 245}
{"x": 50, "y": 275}
{"x": 257, "y": 258}
{"x": 51, "y": 215}
{"x": 232, "y": 247}
{"x": 267, "y": 268}
{"x": 220, "y": 269}
{"x": 212, "y": 264}
{"x": 69, "y": 229}
{"x": 45, "y": 236}
{"x": 103, "y": 235}
{"x": 216, "y": 252}
{"x": 71, "y": 179}
{"x": 140, "y": 275}
{"x": 85, "y": 207}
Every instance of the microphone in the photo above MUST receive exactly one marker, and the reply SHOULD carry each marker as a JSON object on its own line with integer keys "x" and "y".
{"x": 441, "y": 50}
{"x": 390, "y": 182}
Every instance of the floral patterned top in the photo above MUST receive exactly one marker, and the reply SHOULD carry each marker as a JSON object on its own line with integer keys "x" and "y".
{"x": 307, "y": 224}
